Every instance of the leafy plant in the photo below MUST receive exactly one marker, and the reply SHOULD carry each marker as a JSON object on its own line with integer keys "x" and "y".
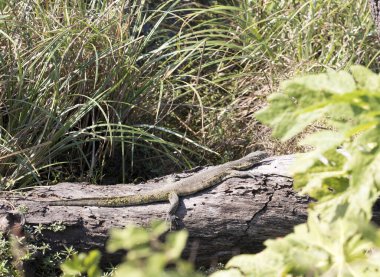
{"x": 147, "y": 254}
{"x": 83, "y": 263}
{"x": 6, "y": 267}
{"x": 341, "y": 173}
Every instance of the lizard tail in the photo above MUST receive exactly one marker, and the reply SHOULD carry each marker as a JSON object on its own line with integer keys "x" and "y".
{"x": 121, "y": 201}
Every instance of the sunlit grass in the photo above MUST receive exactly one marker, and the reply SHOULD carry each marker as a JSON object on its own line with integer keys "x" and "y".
{"x": 79, "y": 81}
{"x": 250, "y": 46}
{"x": 145, "y": 88}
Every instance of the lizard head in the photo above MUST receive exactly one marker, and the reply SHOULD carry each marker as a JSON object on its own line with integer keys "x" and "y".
{"x": 256, "y": 156}
{"x": 248, "y": 161}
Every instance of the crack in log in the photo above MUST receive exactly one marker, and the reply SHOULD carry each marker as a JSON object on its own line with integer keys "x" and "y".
{"x": 262, "y": 210}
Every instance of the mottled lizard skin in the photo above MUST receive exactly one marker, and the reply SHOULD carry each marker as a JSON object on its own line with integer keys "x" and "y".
{"x": 170, "y": 192}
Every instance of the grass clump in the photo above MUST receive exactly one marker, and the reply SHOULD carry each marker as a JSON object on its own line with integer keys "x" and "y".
{"x": 79, "y": 81}
{"x": 256, "y": 44}
{"x": 90, "y": 88}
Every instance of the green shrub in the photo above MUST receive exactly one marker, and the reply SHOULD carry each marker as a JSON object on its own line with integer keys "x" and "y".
{"x": 342, "y": 173}
{"x": 147, "y": 254}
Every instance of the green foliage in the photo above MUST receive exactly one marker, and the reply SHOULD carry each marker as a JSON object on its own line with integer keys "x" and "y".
{"x": 143, "y": 81}
{"x": 81, "y": 80}
{"x": 147, "y": 254}
{"x": 6, "y": 267}
{"x": 83, "y": 263}
{"x": 255, "y": 44}
{"x": 341, "y": 172}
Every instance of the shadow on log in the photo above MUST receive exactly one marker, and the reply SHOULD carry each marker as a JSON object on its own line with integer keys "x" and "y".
{"x": 234, "y": 217}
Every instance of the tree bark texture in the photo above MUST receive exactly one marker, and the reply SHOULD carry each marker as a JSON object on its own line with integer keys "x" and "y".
{"x": 234, "y": 217}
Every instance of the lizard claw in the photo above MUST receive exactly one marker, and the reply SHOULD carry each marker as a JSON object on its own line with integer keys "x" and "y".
{"x": 171, "y": 221}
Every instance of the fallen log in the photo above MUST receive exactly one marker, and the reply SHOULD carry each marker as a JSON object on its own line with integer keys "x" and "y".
{"x": 234, "y": 217}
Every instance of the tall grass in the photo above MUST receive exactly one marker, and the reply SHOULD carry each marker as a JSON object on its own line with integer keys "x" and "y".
{"x": 250, "y": 46}
{"x": 80, "y": 79}
{"x": 142, "y": 86}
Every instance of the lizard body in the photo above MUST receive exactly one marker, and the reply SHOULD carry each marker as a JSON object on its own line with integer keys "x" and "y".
{"x": 171, "y": 192}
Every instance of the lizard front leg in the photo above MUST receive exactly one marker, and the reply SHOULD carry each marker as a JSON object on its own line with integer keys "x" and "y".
{"x": 174, "y": 202}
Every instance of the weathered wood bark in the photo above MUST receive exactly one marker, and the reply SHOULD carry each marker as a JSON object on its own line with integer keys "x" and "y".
{"x": 236, "y": 216}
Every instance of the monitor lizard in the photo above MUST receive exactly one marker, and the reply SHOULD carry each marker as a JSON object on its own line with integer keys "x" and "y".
{"x": 171, "y": 192}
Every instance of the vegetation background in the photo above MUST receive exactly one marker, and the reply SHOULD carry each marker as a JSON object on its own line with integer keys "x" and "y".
{"x": 118, "y": 91}
{"x": 122, "y": 90}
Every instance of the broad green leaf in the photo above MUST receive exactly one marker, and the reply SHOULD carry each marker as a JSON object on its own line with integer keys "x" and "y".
{"x": 227, "y": 273}
{"x": 319, "y": 85}
{"x": 266, "y": 263}
{"x": 128, "y": 270}
{"x": 365, "y": 78}
{"x": 70, "y": 268}
{"x": 175, "y": 244}
{"x": 324, "y": 140}
{"x": 156, "y": 263}
{"x": 83, "y": 263}
{"x": 159, "y": 228}
{"x": 130, "y": 237}
{"x": 92, "y": 258}
{"x": 281, "y": 116}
